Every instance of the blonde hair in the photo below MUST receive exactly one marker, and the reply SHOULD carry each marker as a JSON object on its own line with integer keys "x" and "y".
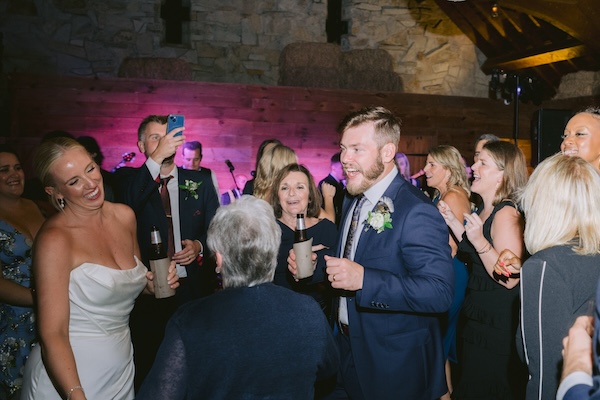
{"x": 272, "y": 161}
{"x": 510, "y": 159}
{"x": 406, "y": 173}
{"x": 48, "y": 152}
{"x": 450, "y": 159}
{"x": 561, "y": 205}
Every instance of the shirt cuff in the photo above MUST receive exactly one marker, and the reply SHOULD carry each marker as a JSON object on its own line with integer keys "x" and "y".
{"x": 573, "y": 379}
{"x": 201, "y": 253}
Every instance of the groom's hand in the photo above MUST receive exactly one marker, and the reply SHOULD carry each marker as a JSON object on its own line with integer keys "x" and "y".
{"x": 344, "y": 274}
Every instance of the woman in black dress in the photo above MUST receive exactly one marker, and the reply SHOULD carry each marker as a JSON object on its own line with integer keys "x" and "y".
{"x": 490, "y": 367}
{"x": 295, "y": 192}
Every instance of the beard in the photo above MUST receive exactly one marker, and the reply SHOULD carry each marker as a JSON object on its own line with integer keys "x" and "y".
{"x": 368, "y": 178}
{"x": 169, "y": 160}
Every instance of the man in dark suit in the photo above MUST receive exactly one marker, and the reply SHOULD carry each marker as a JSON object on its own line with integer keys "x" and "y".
{"x": 193, "y": 202}
{"x": 394, "y": 273}
{"x": 335, "y": 177}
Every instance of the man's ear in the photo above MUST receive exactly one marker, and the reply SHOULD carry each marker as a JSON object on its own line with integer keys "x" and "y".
{"x": 141, "y": 147}
{"x": 388, "y": 152}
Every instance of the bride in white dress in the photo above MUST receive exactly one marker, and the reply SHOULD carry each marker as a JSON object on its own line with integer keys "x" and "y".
{"x": 87, "y": 275}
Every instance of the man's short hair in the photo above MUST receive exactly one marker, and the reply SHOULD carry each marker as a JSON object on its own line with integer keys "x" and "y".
{"x": 192, "y": 146}
{"x": 159, "y": 119}
{"x": 335, "y": 158}
{"x": 488, "y": 137}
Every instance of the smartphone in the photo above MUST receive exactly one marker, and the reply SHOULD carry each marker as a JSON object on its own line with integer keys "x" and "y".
{"x": 175, "y": 121}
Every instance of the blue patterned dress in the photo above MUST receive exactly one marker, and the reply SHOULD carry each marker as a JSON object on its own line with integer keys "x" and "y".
{"x": 17, "y": 328}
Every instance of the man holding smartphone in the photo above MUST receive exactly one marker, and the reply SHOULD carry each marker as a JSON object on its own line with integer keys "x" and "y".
{"x": 180, "y": 203}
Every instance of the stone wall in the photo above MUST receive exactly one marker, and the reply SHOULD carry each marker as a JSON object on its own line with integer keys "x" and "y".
{"x": 238, "y": 41}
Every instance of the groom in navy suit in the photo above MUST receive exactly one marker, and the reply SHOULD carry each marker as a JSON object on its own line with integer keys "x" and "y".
{"x": 193, "y": 203}
{"x": 394, "y": 273}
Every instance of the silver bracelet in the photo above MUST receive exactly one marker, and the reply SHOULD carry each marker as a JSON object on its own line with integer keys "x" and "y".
{"x": 74, "y": 388}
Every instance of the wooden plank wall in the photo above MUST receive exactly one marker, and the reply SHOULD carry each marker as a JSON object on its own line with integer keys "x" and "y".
{"x": 231, "y": 120}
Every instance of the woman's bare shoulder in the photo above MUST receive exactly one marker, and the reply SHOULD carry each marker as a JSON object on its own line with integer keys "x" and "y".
{"x": 121, "y": 212}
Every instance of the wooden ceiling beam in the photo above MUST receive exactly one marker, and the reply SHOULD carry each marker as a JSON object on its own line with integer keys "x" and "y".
{"x": 577, "y": 18}
{"x": 543, "y": 57}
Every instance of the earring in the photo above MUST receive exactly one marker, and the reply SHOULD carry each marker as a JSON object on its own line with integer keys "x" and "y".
{"x": 61, "y": 203}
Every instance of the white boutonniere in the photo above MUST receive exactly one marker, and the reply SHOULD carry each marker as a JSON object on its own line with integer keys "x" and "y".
{"x": 190, "y": 187}
{"x": 380, "y": 218}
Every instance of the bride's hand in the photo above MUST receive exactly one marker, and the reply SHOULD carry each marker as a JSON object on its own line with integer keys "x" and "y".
{"x": 172, "y": 278}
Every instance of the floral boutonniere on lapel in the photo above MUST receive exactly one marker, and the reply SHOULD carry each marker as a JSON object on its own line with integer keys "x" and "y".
{"x": 190, "y": 187}
{"x": 380, "y": 218}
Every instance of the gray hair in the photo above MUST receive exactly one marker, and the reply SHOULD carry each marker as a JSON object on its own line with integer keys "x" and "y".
{"x": 246, "y": 235}
{"x": 488, "y": 137}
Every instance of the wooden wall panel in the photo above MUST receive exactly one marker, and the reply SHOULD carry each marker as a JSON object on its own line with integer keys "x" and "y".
{"x": 231, "y": 120}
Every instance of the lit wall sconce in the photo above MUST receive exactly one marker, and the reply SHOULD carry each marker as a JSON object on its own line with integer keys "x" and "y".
{"x": 494, "y": 10}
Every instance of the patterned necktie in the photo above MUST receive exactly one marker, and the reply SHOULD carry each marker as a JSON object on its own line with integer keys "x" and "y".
{"x": 166, "y": 201}
{"x": 353, "y": 226}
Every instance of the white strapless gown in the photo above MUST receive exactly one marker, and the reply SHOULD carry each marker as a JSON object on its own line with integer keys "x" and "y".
{"x": 101, "y": 300}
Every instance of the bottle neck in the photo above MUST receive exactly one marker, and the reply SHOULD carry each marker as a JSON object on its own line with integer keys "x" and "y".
{"x": 300, "y": 223}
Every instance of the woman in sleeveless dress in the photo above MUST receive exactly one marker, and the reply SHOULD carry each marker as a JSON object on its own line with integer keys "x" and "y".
{"x": 20, "y": 220}
{"x": 490, "y": 367}
{"x": 88, "y": 274}
{"x": 445, "y": 172}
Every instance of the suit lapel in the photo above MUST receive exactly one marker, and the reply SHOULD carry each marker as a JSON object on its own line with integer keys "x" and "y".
{"x": 371, "y": 234}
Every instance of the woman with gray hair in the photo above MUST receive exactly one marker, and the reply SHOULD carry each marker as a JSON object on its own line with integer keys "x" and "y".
{"x": 251, "y": 340}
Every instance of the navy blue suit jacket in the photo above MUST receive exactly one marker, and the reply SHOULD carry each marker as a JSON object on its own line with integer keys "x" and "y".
{"x": 139, "y": 190}
{"x": 408, "y": 281}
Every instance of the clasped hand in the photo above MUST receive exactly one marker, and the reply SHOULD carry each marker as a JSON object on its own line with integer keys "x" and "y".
{"x": 172, "y": 278}
{"x": 342, "y": 273}
{"x": 292, "y": 259}
{"x": 508, "y": 263}
{"x": 189, "y": 252}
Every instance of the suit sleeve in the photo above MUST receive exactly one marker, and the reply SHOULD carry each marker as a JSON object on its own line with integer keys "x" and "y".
{"x": 134, "y": 186}
{"x": 413, "y": 270}
{"x": 210, "y": 203}
{"x": 577, "y": 386}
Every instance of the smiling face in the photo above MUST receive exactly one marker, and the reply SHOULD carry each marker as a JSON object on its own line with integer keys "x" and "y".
{"x": 294, "y": 194}
{"x": 486, "y": 175}
{"x": 435, "y": 174}
{"x": 77, "y": 179}
{"x": 364, "y": 163}
{"x": 12, "y": 177}
{"x": 582, "y": 138}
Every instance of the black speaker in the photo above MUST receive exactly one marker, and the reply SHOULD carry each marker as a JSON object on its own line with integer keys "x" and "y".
{"x": 547, "y": 127}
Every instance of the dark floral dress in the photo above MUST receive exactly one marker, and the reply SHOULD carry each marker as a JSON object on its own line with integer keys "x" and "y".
{"x": 17, "y": 328}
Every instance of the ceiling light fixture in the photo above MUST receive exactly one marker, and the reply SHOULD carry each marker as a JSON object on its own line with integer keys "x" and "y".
{"x": 495, "y": 9}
